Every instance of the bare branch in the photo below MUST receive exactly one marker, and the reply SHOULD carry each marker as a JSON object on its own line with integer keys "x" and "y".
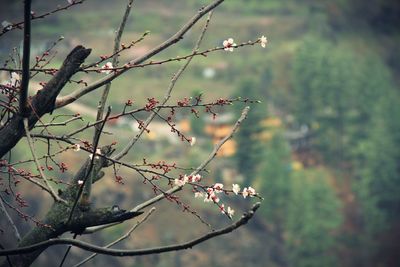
{"x": 63, "y": 123}
{"x": 140, "y": 252}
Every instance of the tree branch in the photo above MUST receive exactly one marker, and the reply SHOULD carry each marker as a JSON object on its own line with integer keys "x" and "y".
{"x": 140, "y": 252}
{"x": 23, "y": 97}
{"x": 43, "y": 101}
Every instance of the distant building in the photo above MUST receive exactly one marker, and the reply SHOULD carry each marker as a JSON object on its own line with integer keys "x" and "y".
{"x": 218, "y": 129}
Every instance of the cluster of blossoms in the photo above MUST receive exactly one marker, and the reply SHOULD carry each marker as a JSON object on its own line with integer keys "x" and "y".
{"x": 98, "y": 152}
{"x": 210, "y": 195}
{"x": 187, "y": 179}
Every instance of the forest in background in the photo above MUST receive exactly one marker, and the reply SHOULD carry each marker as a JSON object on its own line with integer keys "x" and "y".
{"x": 331, "y": 67}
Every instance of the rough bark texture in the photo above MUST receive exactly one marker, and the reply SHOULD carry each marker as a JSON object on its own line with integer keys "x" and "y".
{"x": 43, "y": 101}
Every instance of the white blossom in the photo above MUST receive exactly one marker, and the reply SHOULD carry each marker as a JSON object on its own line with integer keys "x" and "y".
{"x": 106, "y": 68}
{"x": 15, "y": 78}
{"x": 211, "y": 195}
{"x": 235, "y": 188}
{"x": 222, "y": 208}
{"x": 181, "y": 181}
{"x": 80, "y": 182}
{"x": 98, "y": 152}
{"x": 70, "y": 1}
{"x": 77, "y": 147}
{"x": 6, "y": 25}
{"x": 230, "y": 212}
{"x": 215, "y": 198}
{"x": 196, "y": 178}
{"x": 263, "y": 41}
{"x": 218, "y": 187}
{"x": 229, "y": 45}
{"x": 207, "y": 199}
{"x": 245, "y": 193}
{"x": 192, "y": 141}
{"x": 252, "y": 191}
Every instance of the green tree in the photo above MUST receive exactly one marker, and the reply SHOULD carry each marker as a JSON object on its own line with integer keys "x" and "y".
{"x": 379, "y": 170}
{"x": 275, "y": 179}
{"x": 274, "y": 185}
{"x": 313, "y": 213}
{"x": 335, "y": 90}
{"x": 248, "y": 156}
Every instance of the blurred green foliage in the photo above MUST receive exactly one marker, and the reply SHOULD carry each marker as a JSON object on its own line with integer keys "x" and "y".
{"x": 249, "y": 155}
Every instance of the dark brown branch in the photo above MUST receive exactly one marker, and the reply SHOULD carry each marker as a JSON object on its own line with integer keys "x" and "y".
{"x": 140, "y": 252}
{"x": 43, "y": 101}
{"x": 23, "y": 98}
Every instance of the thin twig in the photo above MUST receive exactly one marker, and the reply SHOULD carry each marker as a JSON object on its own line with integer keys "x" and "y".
{"x": 10, "y": 221}
{"x": 63, "y": 123}
{"x": 32, "y": 148}
{"x": 66, "y": 252}
{"x": 126, "y": 235}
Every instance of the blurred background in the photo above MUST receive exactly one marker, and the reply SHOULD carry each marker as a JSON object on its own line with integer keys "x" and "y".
{"x": 322, "y": 148}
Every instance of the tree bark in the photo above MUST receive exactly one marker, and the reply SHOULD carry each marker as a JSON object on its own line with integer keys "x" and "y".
{"x": 44, "y": 100}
